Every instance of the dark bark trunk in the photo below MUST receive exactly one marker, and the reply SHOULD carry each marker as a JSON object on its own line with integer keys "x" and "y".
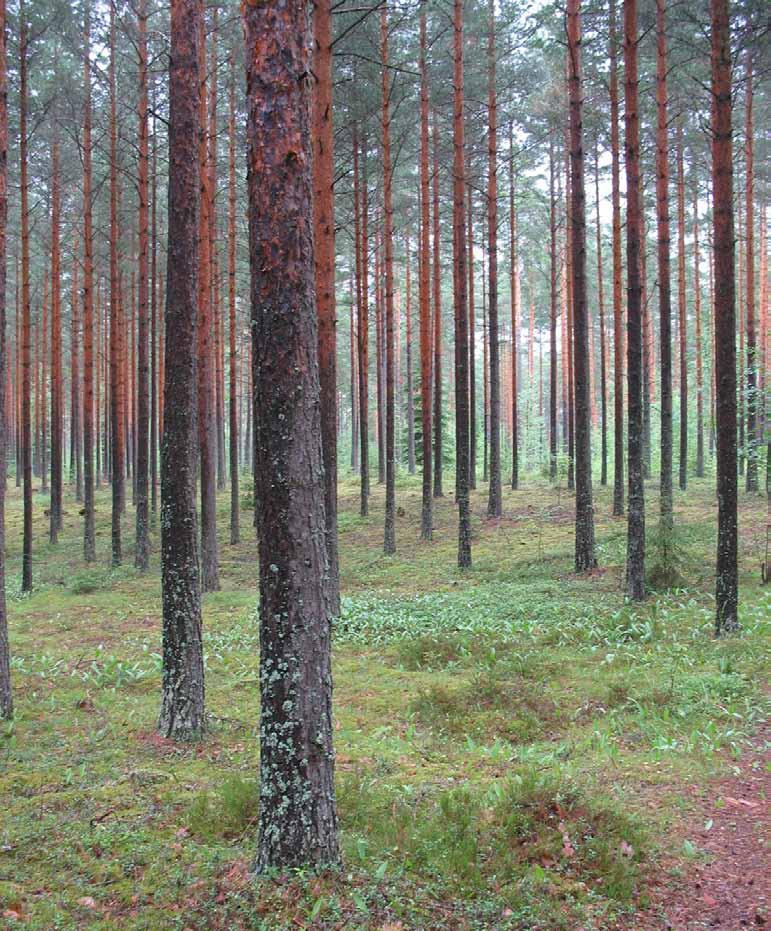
{"x": 363, "y": 328}
{"x": 664, "y": 266}
{"x": 618, "y": 338}
{"x": 462, "y": 418}
{"x": 235, "y": 531}
{"x": 603, "y": 329}
{"x": 26, "y": 361}
{"x": 298, "y": 821}
{"x": 426, "y": 373}
{"x": 6, "y": 698}
{"x": 182, "y": 706}
{"x": 57, "y": 397}
{"x": 494, "y": 501}
{"x": 408, "y": 352}
{"x": 727, "y": 589}
{"x": 142, "y": 552}
{"x": 752, "y": 354}
{"x": 89, "y": 532}
{"x": 682, "y": 311}
{"x": 515, "y": 299}
{"x": 389, "y": 540}
{"x": 698, "y": 337}
{"x": 635, "y": 559}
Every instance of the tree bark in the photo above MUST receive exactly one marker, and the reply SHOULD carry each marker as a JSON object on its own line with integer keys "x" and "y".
{"x": 727, "y": 588}
{"x": 298, "y": 821}
{"x": 437, "y": 287}
{"x": 6, "y": 697}
{"x": 494, "y": 501}
{"x": 89, "y": 532}
{"x": 207, "y": 437}
{"x": 362, "y": 211}
{"x": 408, "y": 349}
{"x": 26, "y": 361}
{"x": 584, "y": 548}
{"x": 682, "y": 310}
{"x": 515, "y": 301}
{"x": 618, "y": 337}
{"x": 603, "y": 330}
{"x": 142, "y": 551}
{"x": 117, "y": 436}
{"x": 462, "y": 419}
{"x": 426, "y": 373}
{"x": 698, "y": 337}
{"x": 324, "y": 224}
{"x": 182, "y": 705}
{"x": 235, "y": 531}
{"x": 57, "y": 395}
{"x": 752, "y": 354}
{"x": 635, "y": 568}
{"x": 664, "y": 263}
{"x": 552, "y": 316}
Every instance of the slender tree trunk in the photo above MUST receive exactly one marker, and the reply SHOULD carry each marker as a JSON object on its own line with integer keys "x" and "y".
{"x": 618, "y": 336}
{"x": 207, "y": 437}
{"x": 603, "y": 332}
{"x": 298, "y": 820}
{"x": 494, "y": 502}
{"x": 585, "y": 559}
{"x": 635, "y": 567}
{"x": 437, "y": 287}
{"x": 664, "y": 263}
{"x": 389, "y": 542}
{"x": 76, "y": 409}
{"x": 363, "y": 330}
{"x": 699, "y": 347}
{"x": 462, "y": 428}
{"x": 408, "y": 347}
{"x": 89, "y": 533}
{"x": 682, "y": 311}
{"x": 142, "y": 553}
{"x": 752, "y": 353}
{"x": 426, "y": 373}
{"x": 26, "y": 361}
{"x": 727, "y": 589}
{"x": 154, "y": 291}
{"x": 57, "y": 398}
{"x": 379, "y": 356}
{"x": 235, "y": 531}
{"x": 117, "y": 437}
{"x": 182, "y": 705}
{"x": 552, "y": 317}
{"x": 6, "y": 698}
{"x": 514, "y": 288}
{"x": 324, "y": 223}
{"x": 472, "y": 381}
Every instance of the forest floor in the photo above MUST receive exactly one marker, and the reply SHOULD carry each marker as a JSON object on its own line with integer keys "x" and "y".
{"x": 516, "y": 747}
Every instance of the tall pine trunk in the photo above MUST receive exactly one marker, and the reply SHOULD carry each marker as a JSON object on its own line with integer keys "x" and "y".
{"x": 553, "y": 272}
{"x": 426, "y": 373}
{"x": 26, "y": 361}
{"x": 437, "y": 316}
{"x": 462, "y": 413}
{"x": 682, "y": 312}
{"x": 494, "y": 502}
{"x": 752, "y": 353}
{"x": 664, "y": 266}
{"x": 698, "y": 338}
{"x": 584, "y": 549}
{"x": 57, "y": 395}
{"x": 727, "y": 589}
{"x": 182, "y": 704}
{"x": 235, "y": 531}
{"x": 89, "y": 532}
{"x": 298, "y": 820}
{"x": 635, "y": 558}
{"x": 603, "y": 328}
{"x": 6, "y": 698}
{"x": 324, "y": 229}
{"x": 618, "y": 336}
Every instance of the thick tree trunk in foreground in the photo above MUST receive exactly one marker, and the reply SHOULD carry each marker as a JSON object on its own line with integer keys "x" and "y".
{"x": 89, "y": 532}
{"x": 635, "y": 558}
{"x": 142, "y": 552}
{"x": 182, "y": 707}
{"x": 618, "y": 337}
{"x": 462, "y": 420}
{"x": 727, "y": 589}
{"x": 389, "y": 541}
{"x": 582, "y": 386}
{"x": 426, "y": 373}
{"x": 298, "y": 820}
{"x": 665, "y": 296}
{"x": 324, "y": 234}
{"x": 494, "y": 501}
{"x": 6, "y": 698}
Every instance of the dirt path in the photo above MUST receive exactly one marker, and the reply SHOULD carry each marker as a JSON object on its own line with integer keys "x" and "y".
{"x": 730, "y": 886}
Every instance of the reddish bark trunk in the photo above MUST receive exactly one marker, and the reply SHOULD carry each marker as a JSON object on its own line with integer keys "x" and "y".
{"x": 618, "y": 337}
